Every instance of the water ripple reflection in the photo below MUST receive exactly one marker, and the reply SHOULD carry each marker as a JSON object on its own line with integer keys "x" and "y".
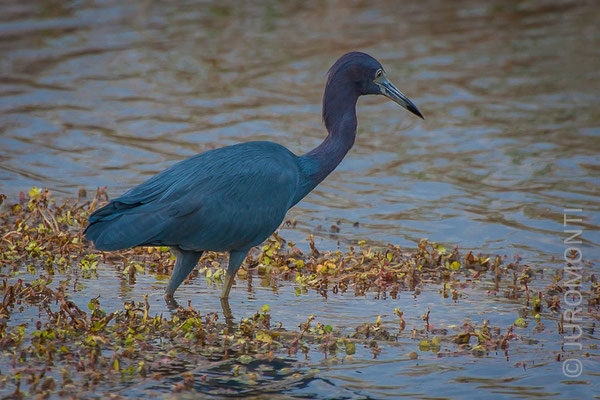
{"x": 110, "y": 93}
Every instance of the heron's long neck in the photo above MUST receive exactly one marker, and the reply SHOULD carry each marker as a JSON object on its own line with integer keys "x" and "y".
{"x": 339, "y": 115}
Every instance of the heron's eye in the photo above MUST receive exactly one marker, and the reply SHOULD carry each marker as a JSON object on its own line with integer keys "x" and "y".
{"x": 378, "y": 73}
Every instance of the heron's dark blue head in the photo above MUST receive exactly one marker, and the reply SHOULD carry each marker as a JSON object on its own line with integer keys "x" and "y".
{"x": 367, "y": 77}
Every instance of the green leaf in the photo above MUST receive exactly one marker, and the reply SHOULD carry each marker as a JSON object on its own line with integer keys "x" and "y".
{"x": 424, "y": 345}
{"x": 350, "y": 348}
{"x": 245, "y": 359}
{"x": 35, "y": 193}
{"x": 520, "y": 323}
{"x": 263, "y": 337}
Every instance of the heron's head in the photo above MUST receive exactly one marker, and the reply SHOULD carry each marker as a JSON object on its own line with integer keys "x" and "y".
{"x": 367, "y": 77}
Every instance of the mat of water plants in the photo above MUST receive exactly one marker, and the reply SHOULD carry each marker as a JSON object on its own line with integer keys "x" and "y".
{"x": 365, "y": 321}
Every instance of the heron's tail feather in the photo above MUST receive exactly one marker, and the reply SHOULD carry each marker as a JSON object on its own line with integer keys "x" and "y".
{"x": 117, "y": 226}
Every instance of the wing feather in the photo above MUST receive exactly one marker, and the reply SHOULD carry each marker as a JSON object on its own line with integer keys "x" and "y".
{"x": 218, "y": 200}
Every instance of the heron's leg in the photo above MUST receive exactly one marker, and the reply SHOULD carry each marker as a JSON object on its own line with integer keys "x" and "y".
{"x": 227, "y": 313}
{"x": 236, "y": 257}
{"x": 184, "y": 264}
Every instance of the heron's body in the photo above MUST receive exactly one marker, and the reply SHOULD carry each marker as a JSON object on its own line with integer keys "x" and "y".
{"x": 232, "y": 198}
{"x": 225, "y": 199}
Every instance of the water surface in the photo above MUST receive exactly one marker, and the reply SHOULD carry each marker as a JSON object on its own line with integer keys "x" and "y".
{"x": 110, "y": 93}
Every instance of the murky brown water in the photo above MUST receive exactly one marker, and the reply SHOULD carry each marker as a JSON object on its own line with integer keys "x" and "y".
{"x": 108, "y": 94}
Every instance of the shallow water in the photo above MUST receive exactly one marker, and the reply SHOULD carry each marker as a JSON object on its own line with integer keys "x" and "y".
{"x": 111, "y": 93}
{"x": 527, "y": 369}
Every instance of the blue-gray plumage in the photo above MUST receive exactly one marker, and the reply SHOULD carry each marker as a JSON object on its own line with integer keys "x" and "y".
{"x": 233, "y": 198}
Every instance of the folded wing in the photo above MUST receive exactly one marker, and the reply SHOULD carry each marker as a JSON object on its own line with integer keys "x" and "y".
{"x": 224, "y": 199}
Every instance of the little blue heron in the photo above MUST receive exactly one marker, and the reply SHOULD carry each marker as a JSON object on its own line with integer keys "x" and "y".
{"x": 233, "y": 198}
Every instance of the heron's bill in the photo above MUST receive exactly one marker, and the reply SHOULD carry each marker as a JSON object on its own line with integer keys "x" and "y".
{"x": 391, "y": 92}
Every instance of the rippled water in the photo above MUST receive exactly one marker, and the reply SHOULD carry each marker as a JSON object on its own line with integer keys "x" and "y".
{"x": 110, "y": 93}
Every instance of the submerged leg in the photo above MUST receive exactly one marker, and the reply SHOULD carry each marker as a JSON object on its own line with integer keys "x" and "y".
{"x": 227, "y": 313}
{"x": 184, "y": 264}
{"x": 236, "y": 257}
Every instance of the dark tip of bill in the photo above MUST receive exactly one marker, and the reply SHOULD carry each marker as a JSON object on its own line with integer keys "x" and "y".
{"x": 413, "y": 109}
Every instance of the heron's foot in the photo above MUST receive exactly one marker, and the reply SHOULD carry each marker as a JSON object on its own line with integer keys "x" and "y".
{"x": 172, "y": 304}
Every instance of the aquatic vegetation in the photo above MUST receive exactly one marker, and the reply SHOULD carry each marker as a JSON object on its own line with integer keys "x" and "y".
{"x": 70, "y": 350}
